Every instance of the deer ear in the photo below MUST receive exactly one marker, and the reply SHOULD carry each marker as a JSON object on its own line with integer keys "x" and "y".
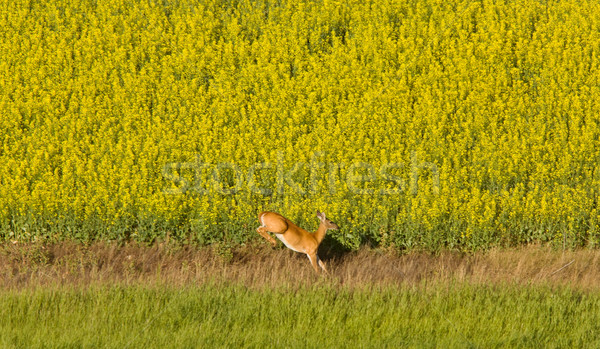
{"x": 321, "y": 215}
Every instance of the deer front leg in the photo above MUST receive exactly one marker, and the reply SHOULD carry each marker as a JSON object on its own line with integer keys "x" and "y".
{"x": 312, "y": 257}
{"x": 322, "y": 265}
{"x": 263, "y": 231}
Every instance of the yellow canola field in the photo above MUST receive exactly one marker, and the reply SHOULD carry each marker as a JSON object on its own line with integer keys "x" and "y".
{"x": 420, "y": 124}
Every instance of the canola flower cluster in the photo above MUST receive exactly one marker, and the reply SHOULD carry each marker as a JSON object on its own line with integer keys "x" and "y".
{"x": 419, "y": 124}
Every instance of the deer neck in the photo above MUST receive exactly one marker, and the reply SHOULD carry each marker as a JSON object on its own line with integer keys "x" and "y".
{"x": 320, "y": 233}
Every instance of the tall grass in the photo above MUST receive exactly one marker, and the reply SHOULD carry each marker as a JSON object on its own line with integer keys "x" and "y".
{"x": 71, "y": 264}
{"x": 234, "y": 316}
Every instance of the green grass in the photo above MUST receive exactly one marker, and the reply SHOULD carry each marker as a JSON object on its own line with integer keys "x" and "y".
{"x": 235, "y": 316}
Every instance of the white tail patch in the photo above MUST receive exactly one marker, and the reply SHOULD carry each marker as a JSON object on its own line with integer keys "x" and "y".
{"x": 261, "y": 220}
{"x": 285, "y": 242}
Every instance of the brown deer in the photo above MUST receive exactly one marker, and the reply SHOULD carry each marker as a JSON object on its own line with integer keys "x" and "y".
{"x": 294, "y": 237}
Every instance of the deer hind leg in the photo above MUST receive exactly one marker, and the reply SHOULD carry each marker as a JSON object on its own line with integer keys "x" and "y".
{"x": 263, "y": 231}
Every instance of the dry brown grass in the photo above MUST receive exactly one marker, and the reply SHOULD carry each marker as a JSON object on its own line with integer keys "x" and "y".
{"x": 70, "y": 263}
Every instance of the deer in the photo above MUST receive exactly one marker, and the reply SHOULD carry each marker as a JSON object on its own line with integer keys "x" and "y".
{"x": 294, "y": 237}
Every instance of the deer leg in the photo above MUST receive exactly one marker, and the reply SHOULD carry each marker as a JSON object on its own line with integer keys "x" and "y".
{"x": 322, "y": 265}
{"x": 312, "y": 257}
{"x": 263, "y": 231}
